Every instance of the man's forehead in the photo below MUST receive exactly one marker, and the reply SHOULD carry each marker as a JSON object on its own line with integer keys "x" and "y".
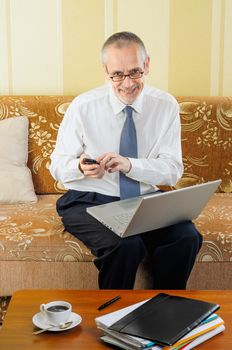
{"x": 129, "y": 56}
{"x": 126, "y": 47}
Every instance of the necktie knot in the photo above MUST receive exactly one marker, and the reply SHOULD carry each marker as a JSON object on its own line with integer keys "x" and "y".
{"x": 128, "y": 110}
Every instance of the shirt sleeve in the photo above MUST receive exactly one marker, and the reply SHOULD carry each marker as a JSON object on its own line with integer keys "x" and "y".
{"x": 69, "y": 146}
{"x": 163, "y": 166}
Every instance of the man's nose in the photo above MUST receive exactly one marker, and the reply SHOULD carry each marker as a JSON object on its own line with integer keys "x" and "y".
{"x": 127, "y": 82}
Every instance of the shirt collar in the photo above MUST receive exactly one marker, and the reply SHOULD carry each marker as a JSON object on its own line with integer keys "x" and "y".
{"x": 118, "y": 105}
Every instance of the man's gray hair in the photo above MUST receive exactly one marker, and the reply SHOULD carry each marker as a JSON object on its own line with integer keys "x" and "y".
{"x": 122, "y": 39}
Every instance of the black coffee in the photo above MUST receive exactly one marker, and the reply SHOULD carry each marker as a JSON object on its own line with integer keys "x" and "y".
{"x": 57, "y": 308}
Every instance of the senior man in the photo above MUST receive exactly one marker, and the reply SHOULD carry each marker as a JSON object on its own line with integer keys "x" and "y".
{"x": 133, "y": 132}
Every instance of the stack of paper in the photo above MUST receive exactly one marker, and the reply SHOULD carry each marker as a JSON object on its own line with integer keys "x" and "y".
{"x": 206, "y": 329}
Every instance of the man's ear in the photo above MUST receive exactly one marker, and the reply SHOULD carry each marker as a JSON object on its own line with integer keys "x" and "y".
{"x": 147, "y": 65}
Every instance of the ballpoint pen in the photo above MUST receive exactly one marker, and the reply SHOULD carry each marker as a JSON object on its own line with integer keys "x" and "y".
{"x": 109, "y": 302}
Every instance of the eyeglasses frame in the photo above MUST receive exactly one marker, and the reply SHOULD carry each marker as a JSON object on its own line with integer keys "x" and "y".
{"x": 123, "y": 77}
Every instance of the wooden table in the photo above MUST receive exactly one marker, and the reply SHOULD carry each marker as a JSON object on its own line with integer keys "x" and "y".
{"x": 16, "y": 333}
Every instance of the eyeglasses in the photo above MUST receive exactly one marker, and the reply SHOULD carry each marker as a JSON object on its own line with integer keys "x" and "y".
{"x": 133, "y": 75}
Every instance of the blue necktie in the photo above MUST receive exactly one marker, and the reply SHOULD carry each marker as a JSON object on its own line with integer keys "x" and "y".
{"x": 128, "y": 148}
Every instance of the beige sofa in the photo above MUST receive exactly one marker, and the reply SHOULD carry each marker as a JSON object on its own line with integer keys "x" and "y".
{"x": 35, "y": 251}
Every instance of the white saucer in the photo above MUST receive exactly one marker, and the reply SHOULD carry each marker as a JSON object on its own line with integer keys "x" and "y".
{"x": 39, "y": 321}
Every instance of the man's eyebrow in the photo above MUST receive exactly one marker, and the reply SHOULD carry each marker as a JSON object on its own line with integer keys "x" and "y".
{"x": 116, "y": 72}
{"x": 121, "y": 72}
{"x": 135, "y": 69}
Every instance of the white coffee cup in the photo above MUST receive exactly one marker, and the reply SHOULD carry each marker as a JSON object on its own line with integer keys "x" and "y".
{"x": 56, "y": 312}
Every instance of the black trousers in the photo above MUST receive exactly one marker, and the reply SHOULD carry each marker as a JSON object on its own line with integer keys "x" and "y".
{"x": 172, "y": 250}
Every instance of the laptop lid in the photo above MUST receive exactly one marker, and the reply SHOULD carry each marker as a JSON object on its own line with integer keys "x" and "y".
{"x": 156, "y": 210}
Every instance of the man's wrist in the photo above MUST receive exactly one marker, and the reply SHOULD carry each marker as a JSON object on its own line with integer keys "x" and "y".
{"x": 130, "y": 166}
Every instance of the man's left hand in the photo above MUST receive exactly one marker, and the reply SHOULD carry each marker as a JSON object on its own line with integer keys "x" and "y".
{"x": 114, "y": 162}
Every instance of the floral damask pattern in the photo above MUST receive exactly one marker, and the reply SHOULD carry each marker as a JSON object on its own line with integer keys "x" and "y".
{"x": 206, "y": 137}
{"x": 206, "y": 140}
{"x": 34, "y": 232}
{"x": 215, "y": 224}
{"x": 45, "y": 114}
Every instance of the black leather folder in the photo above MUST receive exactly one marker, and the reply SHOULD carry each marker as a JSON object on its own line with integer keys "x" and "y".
{"x": 165, "y": 318}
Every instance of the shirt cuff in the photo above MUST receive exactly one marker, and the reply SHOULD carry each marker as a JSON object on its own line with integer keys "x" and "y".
{"x": 134, "y": 164}
{"x": 73, "y": 173}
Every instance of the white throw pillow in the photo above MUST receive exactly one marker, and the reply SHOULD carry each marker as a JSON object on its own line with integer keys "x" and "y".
{"x": 15, "y": 177}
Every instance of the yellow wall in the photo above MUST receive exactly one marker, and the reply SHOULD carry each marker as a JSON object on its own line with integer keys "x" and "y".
{"x": 83, "y": 34}
{"x": 189, "y": 46}
{"x": 53, "y": 46}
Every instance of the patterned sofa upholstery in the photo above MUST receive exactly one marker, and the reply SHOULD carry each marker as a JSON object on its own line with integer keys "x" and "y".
{"x": 36, "y": 252}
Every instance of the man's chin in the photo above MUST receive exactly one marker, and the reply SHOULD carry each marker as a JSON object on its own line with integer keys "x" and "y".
{"x": 128, "y": 100}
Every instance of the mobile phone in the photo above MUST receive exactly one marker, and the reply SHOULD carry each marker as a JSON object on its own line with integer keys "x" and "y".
{"x": 90, "y": 161}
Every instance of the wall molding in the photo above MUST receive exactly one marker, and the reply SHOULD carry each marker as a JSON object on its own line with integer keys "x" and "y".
{"x": 41, "y": 43}
{"x": 109, "y": 18}
{"x": 60, "y": 71}
{"x": 4, "y": 48}
{"x": 215, "y": 48}
{"x": 227, "y": 53}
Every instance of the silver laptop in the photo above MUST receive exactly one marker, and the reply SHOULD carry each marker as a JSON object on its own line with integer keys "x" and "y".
{"x": 152, "y": 211}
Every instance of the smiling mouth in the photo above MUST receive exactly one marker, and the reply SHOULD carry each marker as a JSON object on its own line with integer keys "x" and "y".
{"x": 129, "y": 92}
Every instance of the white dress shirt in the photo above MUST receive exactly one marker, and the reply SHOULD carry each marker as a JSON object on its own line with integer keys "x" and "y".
{"x": 93, "y": 124}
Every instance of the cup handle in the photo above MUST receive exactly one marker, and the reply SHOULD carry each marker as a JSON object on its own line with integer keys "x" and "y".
{"x": 42, "y": 308}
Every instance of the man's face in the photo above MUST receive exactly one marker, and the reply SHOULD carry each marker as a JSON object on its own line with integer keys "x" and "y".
{"x": 126, "y": 60}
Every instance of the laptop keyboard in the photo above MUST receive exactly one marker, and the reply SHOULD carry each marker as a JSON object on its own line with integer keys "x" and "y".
{"x": 120, "y": 221}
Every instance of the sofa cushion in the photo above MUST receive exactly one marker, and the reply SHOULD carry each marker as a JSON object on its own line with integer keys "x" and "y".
{"x": 15, "y": 176}
{"x": 34, "y": 232}
{"x": 215, "y": 224}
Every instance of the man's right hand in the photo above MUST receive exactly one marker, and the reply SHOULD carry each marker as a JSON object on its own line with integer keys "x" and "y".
{"x": 91, "y": 170}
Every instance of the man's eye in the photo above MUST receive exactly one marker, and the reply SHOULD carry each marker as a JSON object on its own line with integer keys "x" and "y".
{"x": 135, "y": 72}
{"x": 118, "y": 75}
